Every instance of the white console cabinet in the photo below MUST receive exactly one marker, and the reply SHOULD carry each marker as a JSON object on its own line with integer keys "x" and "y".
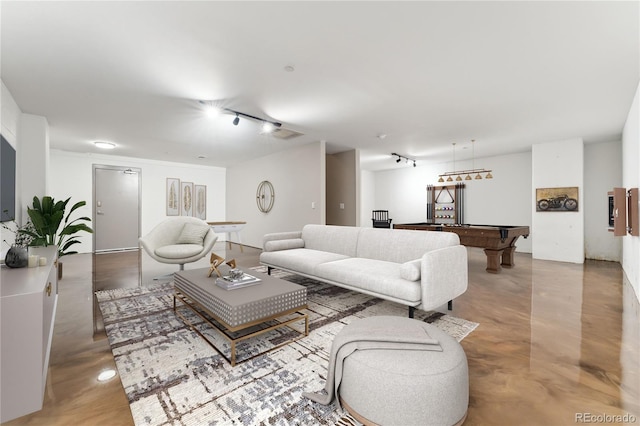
{"x": 28, "y": 299}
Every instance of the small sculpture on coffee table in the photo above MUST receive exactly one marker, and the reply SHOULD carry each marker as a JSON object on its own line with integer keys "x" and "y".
{"x": 216, "y": 261}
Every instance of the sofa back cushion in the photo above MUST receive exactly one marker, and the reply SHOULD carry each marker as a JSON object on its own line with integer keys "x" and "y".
{"x": 401, "y": 245}
{"x": 333, "y": 239}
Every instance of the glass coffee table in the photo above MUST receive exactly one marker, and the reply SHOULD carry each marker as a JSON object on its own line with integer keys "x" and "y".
{"x": 241, "y": 313}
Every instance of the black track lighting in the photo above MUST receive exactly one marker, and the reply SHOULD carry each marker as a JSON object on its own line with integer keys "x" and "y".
{"x": 253, "y": 117}
{"x": 211, "y": 108}
{"x": 407, "y": 160}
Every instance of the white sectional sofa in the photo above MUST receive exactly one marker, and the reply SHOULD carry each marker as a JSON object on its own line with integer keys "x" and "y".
{"x": 419, "y": 269}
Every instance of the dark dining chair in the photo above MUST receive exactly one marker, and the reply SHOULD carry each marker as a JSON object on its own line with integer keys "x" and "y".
{"x": 381, "y": 219}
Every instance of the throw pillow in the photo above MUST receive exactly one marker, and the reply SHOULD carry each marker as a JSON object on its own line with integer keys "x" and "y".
{"x": 193, "y": 234}
{"x": 411, "y": 270}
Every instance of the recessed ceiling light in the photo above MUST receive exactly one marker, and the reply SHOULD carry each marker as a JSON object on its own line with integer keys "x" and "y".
{"x": 202, "y": 157}
{"x": 289, "y": 68}
{"x": 105, "y": 145}
{"x": 107, "y": 375}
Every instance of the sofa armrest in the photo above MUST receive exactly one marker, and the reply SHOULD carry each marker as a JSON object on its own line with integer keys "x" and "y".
{"x": 444, "y": 276}
{"x": 282, "y": 241}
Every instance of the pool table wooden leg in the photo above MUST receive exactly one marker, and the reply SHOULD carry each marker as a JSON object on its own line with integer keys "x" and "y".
{"x": 493, "y": 260}
{"x": 507, "y": 257}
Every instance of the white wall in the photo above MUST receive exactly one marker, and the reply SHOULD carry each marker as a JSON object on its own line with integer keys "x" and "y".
{"x": 367, "y": 197}
{"x": 72, "y": 176}
{"x": 631, "y": 179}
{"x": 503, "y": 200}
{"x": 9, "y": 116}
{"x": 403, "y": 191}
{"x": 602, "y": 172}
{"x": 298, "y": 178}
{"x": 33, "y": 158}
{"x": 631, "y": 257}
{"x": 558, "y": 236}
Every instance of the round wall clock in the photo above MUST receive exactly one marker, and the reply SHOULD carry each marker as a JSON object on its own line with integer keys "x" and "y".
{"x": 265, "y": 195}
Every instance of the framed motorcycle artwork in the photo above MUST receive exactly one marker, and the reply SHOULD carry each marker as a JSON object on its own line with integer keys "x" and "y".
{"x": 563, "y": 199}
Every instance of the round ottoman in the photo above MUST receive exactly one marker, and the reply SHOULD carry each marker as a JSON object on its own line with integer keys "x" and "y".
{"x": 407, "y": 387}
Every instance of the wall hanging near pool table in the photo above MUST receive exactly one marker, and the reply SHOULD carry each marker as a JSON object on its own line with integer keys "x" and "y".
{"x": 564, "y": 199}
{"x": 445, "y": 204}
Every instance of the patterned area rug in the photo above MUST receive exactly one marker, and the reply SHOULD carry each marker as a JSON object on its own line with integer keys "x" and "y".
{"x": 172, "y": 377}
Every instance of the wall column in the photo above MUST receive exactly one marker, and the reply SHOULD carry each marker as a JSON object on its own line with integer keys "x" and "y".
{"x": 559, "y": 235}
{"x": 33, "y": 159}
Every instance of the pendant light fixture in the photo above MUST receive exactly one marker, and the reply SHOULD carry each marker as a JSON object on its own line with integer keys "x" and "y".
{"x": 458, "y": 174}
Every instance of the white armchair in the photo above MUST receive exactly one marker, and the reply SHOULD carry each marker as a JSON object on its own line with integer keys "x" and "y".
{"x": 179, "y": 240}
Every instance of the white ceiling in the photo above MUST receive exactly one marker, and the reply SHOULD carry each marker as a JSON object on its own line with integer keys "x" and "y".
{"x": 426, "y": 74}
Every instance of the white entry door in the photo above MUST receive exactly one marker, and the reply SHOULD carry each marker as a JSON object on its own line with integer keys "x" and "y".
{"x": 116, "y": 207}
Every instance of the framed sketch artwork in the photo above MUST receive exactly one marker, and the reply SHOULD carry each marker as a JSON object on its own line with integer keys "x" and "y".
{"x": 186, "y": 198}
{"x": 200, "y": 206}
{"x": 173, "y": 197}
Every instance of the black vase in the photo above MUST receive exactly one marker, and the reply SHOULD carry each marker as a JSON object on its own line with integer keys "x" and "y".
{"x": 17, "y": 257}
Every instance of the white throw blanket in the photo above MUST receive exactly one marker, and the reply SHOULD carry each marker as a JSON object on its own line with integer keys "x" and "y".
{"x": 382, "y": 332}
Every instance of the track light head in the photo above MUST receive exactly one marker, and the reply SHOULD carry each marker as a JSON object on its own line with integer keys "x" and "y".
{"x": 236, "y": 120}
{"x": 398, "y": 160}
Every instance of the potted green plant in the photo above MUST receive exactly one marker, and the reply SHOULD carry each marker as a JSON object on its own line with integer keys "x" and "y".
{"x": 47, "y": 218}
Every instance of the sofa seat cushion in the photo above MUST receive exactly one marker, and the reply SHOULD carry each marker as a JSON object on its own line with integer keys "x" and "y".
{"x": 178, "y": 251}
{"x": 300, "y": 260}
{"x": 376, "y": 276}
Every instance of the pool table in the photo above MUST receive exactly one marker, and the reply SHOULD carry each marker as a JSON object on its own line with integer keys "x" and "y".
{"x": 498, "y": 242}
